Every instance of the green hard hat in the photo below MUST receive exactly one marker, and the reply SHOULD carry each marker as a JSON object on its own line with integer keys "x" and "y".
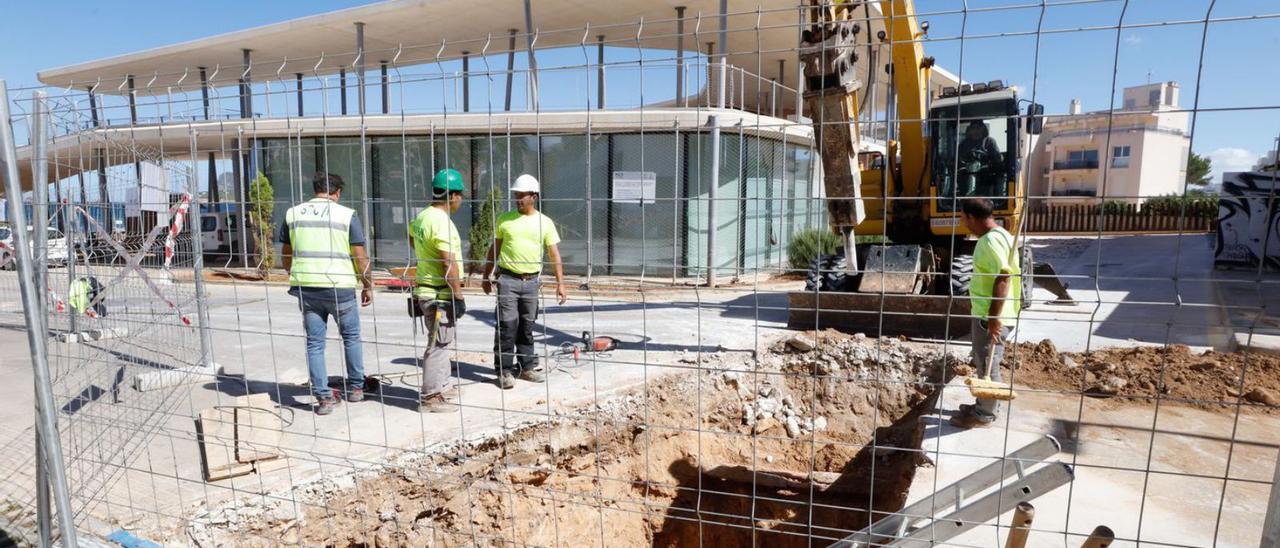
{"x": 448, "y": 180}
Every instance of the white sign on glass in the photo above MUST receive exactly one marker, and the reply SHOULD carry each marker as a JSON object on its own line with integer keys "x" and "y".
{"x": 635, "y": 187}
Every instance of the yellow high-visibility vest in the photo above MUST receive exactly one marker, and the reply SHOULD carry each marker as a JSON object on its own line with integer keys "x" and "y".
{"x": 320, "y": 235}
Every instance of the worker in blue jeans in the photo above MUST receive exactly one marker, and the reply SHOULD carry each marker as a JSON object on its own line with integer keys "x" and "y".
{"x": 323, "y": 250}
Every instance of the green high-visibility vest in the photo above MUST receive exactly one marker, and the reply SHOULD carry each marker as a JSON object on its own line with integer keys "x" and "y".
{"x": 320, "y": 235}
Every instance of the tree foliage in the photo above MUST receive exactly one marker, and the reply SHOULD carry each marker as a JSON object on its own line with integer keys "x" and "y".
{"x": 261, "y": 206}
{"x": 481, "y": 236}
{"x": 1198, "y": 168}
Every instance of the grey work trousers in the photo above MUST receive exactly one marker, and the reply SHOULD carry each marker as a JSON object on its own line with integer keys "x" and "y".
{"x": 517, "y": 311}
{"x": 440, "y": 324}
{"x": 986, "y": 408}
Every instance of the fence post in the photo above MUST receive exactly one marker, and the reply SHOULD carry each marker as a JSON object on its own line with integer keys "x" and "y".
{"x": 40, "y": 254}
{"x": 197, "y": 261}
{"x": 46, "y": 421}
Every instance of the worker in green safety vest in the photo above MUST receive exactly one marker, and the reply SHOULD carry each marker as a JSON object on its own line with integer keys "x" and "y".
{"x": 438, "y": 287}
{"x": 324, "y": 252}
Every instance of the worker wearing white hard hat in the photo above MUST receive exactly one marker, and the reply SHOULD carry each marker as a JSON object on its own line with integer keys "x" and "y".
{"x": 522, "y": 239}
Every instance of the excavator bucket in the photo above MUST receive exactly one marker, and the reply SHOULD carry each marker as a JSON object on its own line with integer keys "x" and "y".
{"x": 1045, "y": 276}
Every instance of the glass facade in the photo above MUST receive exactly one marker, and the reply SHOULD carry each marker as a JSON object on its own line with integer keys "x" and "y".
{"x": 766, "y": 192}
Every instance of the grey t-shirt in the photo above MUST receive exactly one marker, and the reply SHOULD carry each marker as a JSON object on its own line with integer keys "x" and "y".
{"x": 339, "y": 294}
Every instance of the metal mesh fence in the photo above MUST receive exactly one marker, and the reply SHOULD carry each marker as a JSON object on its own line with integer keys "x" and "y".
{"x": 725, "y": 370}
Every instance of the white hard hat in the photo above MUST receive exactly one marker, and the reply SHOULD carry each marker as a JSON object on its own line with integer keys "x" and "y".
{"x": 526, "y": 183}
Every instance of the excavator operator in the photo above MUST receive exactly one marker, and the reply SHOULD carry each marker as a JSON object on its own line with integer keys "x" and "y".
{"x": 980, "y": 162}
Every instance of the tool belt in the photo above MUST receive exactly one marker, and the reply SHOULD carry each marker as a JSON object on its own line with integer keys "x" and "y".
{"x": 415, "y": 303}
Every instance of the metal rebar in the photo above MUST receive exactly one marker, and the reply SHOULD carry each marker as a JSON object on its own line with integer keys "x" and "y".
{"x": 46, "y": 421}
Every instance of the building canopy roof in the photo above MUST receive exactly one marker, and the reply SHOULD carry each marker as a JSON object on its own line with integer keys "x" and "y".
{"x": 424, "y": 30}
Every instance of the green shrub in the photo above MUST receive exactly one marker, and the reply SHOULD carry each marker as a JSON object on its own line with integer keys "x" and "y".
{"x": 481, "y": 236}
{"x": 808, "y": 245}
{"x": 1192, "y": 204}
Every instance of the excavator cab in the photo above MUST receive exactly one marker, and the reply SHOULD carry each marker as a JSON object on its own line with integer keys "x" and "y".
{"x": 976, "y": 145}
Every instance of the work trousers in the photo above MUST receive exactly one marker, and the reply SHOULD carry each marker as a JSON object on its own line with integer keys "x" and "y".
{"x": 517, "y": 310}
{"x": 440, "y": 322}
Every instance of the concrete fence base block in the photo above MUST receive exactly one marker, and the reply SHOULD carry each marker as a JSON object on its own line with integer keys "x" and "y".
{"x": 176, "y": 377}
{"x": 90, "y": 335}
{"x": 1262, "y": 344}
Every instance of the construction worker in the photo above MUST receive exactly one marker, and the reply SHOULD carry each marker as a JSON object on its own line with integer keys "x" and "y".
{"x": 980, "y": 161}
{"x": 995, "y": 297}
{"x": 520, "y": 237}
{"x": 438, "y": 287}
{"x": 324, "y": 253}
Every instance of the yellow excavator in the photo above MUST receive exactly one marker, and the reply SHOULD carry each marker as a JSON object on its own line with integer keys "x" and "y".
{"x": 969, "y": 140}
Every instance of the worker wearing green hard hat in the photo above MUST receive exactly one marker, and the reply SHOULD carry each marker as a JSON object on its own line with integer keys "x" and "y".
{"x": 447, "y": 180}
{"x": 437, "y": 292}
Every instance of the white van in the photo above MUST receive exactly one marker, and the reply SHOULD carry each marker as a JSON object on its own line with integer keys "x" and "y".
{"x": 220, "y": 232}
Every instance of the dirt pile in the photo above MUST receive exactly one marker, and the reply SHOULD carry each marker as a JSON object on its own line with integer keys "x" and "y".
{"x": 1174, "y": 373}
{"x": 793, "y": 445}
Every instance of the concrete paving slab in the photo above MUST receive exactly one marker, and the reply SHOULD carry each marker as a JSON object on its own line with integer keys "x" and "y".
{"x": 1165, "y": 484}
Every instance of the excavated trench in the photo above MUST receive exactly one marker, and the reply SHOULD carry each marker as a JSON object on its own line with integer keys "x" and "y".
{"x": 795, "y": 446}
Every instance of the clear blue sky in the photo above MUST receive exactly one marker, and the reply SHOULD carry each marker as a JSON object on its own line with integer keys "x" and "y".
{"x": 1238, "y": 70}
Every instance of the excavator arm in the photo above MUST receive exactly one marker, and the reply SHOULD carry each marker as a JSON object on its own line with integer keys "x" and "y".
{"x": 828, "y": 59}
{"x": 828, "y": 55}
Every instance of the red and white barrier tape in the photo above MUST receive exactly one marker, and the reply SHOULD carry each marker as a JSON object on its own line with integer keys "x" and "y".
{"x": 174, "y": 228}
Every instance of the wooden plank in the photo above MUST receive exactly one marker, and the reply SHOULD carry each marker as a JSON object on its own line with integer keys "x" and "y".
{"x": 258, "y": 428}
{"x": 215, "y": 433}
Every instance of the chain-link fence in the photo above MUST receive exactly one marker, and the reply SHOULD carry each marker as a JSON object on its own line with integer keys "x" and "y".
{"x": 726, "y": 367}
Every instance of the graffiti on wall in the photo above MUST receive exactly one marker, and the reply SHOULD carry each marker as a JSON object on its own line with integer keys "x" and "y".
{"x": 1249, "y": 220}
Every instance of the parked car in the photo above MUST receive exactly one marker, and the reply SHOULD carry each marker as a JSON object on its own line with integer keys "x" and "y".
{"x": 56, "y": 250}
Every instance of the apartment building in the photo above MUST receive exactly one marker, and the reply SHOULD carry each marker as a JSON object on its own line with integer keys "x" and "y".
{"x": 1128, "y": 155}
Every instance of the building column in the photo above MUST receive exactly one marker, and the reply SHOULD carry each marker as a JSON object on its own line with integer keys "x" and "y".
{"x": 342, "y": 89}
{"x": 511, "y": 65}
{"x": 386, "y": 90}
{"x": 204, "y": 91}
{"x": 133, "y": 101}
{"x": 600, "y": 72}
{"x": 466, "y": 81}
{"x": 298, "y": 79}
{"x": 533, "y": 61}
{"x": 104, "y": 193}
{"x": 93, "y": 107}
{"x": 246, "y": 86}
{"x": 360, "y": 66}
{"x": 724, "y": 28}
{"x": 214, "y": 195}
{"x": 679, "y": 55}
